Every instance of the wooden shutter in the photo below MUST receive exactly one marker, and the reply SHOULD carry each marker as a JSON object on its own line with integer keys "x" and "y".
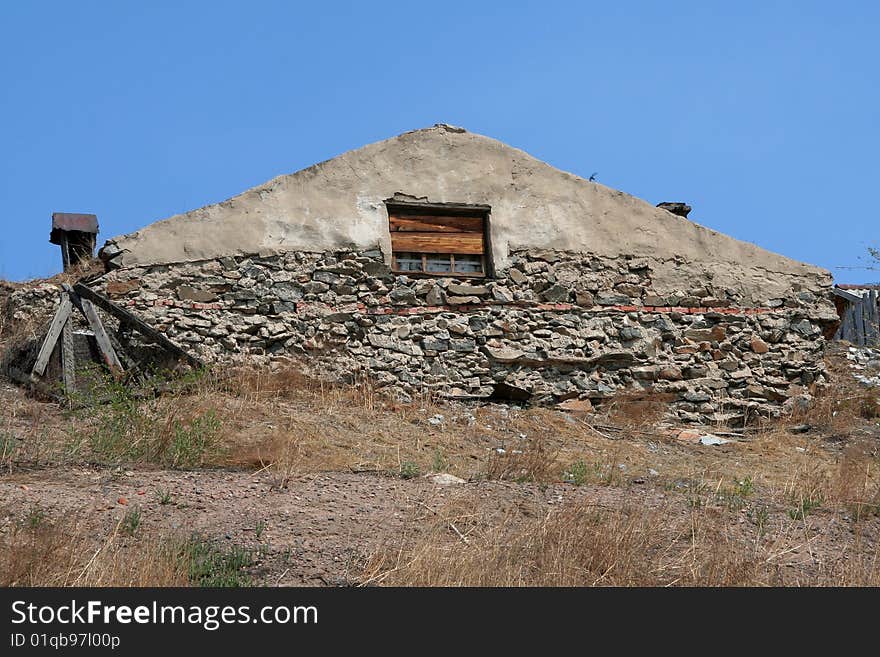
{"x": 414, "y": 233}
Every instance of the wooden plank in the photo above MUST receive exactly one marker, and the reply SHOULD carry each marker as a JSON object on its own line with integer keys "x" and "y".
{"x": 847, "y": 327}
{"x": 875, "y": 315}
{"x": 859, "y": 322}
{"x": 419, "y": 207}
{"x": 101, "y": 337}
{"x": 68, "y": 360}
{"x": 466, "y": 243}
{"x": 55, "y": 328}
{"x": 863, "y": 320}
{"x": 135, "y": 322}
{"x": 843, "y": 294}
{"x": 427, "y": 223}
{"x": 126, "y": 360}
{"x": 852, "y": 327}
{"x": 65, "y": 252}
{"x": 871, "y": 318}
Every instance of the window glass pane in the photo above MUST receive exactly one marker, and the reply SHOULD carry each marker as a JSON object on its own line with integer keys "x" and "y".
{"x": 439, "y": 263}
{"x": 408, "y": 261}
{"x": 468, "y": 264}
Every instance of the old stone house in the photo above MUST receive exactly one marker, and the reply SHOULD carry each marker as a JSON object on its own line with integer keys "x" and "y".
{"x": 445, "y": 260}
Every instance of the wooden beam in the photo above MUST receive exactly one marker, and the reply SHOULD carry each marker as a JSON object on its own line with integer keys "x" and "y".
{"x": 135, "y": 322}
{"x": 843, "y": 294}
{"x": 427, "y": 223}
{"x": 65, "y": 252}
{"x": 466, "y": 243}
{"x": 68, "y": 360}
{"x": 873, "y": 317}
{"x": 101, "y": 337}
{"x": 400, "y": 206}
{"x": 59, "y": 321}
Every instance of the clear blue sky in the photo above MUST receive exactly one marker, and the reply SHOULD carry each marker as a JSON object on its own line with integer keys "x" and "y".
{"x": 762, "y": 115}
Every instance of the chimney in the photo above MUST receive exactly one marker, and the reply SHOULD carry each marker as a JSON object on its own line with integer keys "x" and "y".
{"x": 681, "y": 209}
{"x": 76, "y": 235}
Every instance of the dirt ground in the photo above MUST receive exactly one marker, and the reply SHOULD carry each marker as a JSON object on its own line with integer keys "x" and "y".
{"x": 538, "y": 496}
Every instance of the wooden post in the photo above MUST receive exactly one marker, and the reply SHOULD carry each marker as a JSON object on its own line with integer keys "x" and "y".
{"x": 873, "y": 319}
{"x": 58, "y": 324}
{"x": 68, "y": 360}
{"x": 65, "y": 252}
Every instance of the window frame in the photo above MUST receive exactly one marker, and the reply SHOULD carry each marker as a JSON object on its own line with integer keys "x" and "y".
{"x": 482, "y": 212}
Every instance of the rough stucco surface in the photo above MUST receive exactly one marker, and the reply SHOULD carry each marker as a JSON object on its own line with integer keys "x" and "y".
{"x": 338, "y": 204}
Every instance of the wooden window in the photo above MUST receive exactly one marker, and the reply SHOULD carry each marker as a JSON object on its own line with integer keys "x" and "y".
{"x": 439, "y": 240}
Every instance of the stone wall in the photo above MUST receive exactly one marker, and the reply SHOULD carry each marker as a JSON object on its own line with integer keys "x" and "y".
{"x": 558, "y": 324}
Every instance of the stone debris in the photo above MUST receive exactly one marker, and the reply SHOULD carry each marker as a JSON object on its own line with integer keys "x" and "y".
{"x": 865, "y": 364}
{"x": 700, "y": 437}
{"x": 689, "y": 435}
{"x": 576, "y": 406}
{"x": 710, "y": 439}
{"x": 444, "y": 479}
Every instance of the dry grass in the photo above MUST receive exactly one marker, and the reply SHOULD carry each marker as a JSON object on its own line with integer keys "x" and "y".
{"x": 286, "y": 423}
{"x": 746, "y": 513}
{"x": 83, "y": 269}
{"x": 41, "y": 551}
{"x": 585, "y": 543}
{"x": 637, "y": 410}
{"x": 843, "y": 405}
{"x": 16, "y": 333}
{"x": 290, "y": 423}
{"x": 70, "y": 550}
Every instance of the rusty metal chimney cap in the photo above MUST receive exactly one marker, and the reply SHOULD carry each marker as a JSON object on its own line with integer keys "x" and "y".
{"x": 69, "y": 221}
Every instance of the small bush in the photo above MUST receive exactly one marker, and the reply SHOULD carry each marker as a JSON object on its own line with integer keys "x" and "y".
{"x": 803, "y": 507}
{"x": 192, "y": 440}
{"x": 760, "y": 515}
{"x": 127, "y": 428}
{"x": 576, "y": 474}
{"x": 131, "y": 521}
{"x": 210, "y": 564}
{"x": 8, "y": 447}
{"x": 745, "y": 487}
{"x": 533, "y": 463}
{"x": 440, "y": 463}
{"x": 35, "y": 518}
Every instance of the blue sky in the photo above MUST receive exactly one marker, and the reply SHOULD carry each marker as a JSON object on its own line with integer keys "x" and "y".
{"x": 762, "y": 115}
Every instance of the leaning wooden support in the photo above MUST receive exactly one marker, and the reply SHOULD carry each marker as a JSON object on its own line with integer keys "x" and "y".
{"x": 58, "y": 324}
{"x": 85, "y": 299}
{"x": 135, "y": 322}
{"x": 101, "y": 337}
